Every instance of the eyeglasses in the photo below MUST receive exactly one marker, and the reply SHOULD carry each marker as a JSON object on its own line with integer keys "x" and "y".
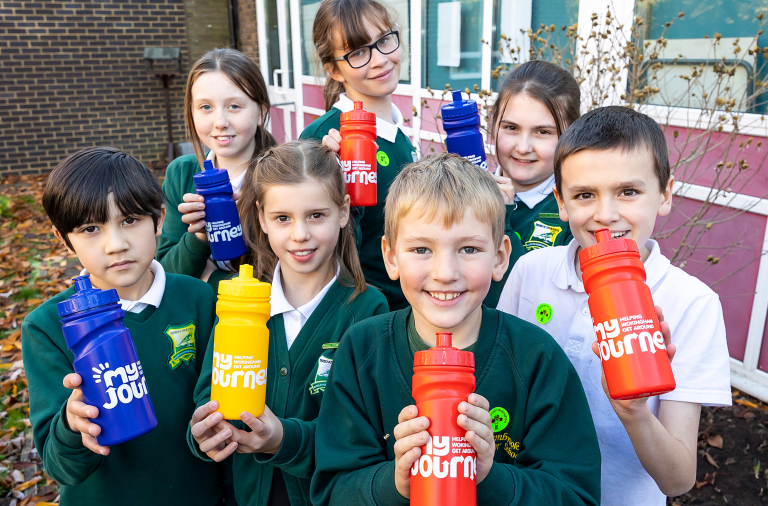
{"x": 361, "y": 56}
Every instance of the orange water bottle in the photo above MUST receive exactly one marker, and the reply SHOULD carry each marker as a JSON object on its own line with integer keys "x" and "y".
{"x": 358, "y": 155}
{"x": 241, "y": 345}
{"x": 444, "y": 475}
{"x": 631, "y": 344}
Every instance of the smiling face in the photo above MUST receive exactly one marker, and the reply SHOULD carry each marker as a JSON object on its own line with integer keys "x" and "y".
{"x": 612, "y": 189}
{"x": 117, "y": 253}
{"x": 526, "y": 141}
{"x": 225, "y": 118}
{"x": 378, "y": 78}
{"x": 445, "y": 273}
{"x": 303, "y": 224}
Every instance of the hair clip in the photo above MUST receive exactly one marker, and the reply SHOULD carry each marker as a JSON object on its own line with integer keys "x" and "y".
{"x": 269, "y": 152}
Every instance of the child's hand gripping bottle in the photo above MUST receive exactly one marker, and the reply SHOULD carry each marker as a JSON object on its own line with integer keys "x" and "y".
{"x": 222, "y": 223}
{"x": 241, "y": 345}
{"x": 444, "y": 475}
{"x": 632, "y": 347}
{"x": 461, "y": 122}
{"x": 358, "y": 155}
{"x": 106, "y": 360}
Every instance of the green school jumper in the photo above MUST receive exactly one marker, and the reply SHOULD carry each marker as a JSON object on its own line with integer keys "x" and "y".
{"x": 179, "y": 251}
{"x": 391, "y": 157}
{"x": 546, "y": 446}
{"x": 530, "y": 229}
{"x": 156, "y": 468}
{"x": 295, "y": 389}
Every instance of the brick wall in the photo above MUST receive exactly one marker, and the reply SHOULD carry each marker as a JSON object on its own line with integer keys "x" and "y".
{"x": 73, "y": 77}
{"x": 247, "y": 35}
{"x": 207, "y": 26}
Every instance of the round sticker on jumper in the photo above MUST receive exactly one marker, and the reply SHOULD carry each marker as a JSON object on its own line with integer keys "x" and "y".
{"x": 382, "y": 158}
{"x": 499, "y": 419}
{"x": 543, "y": 313}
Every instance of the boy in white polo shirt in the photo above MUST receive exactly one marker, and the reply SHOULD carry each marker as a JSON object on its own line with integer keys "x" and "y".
{"x": 612, "y": 171}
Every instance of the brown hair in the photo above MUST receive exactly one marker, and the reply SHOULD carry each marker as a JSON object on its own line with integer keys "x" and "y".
{"x": 444, "y": 185}
{"x": 293, "y": 163}
{"x": 241, "y": 70}
{"x": 551, "y": 85}
{"x": 348, "y": 17}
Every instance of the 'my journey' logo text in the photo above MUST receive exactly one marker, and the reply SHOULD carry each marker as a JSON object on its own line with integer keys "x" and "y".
{"x": 454, "y": 465}
{"x": 357, "y": 171}
{"x": 223, "y": 362}
{"x": 132, "y": 384}
{"x": 220, "y": 231}
{"x": 613, "y": 345}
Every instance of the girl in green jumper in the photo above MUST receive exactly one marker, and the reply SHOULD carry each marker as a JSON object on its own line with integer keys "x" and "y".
{"x": 537, "y": 101}
{"x": 296, "y": 222}
{"x": 359, "y": 46}
{"x": 225, "y": 108}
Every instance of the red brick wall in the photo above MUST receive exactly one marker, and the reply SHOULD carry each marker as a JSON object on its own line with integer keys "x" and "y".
{"x": 248, "y": 38}
{"x": 73, "y": 77}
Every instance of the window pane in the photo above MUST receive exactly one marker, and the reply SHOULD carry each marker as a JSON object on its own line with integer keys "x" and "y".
{"x": 687, "y": 49}
{"x": 273, "y": 43}
{"x": 511, "y": 16}
{"x": 452, "y": 47}
{"x": 308, "y": 13}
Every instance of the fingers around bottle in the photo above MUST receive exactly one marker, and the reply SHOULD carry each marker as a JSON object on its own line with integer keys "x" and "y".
{"x": 72, "y": 380}
{"x": 477, "y": 413}
{"x": 90, "y": 443}
{"x": 405, "y": 463}
{"x": 407, "y": 413}
{"x": 470, "y": 424}
{"x": 480, "y": 444}
{"x": 259, "y": 428}
{"x": 193, "y": 197}
{"x": 406, "y": 444}
{"x": 203, "y": 411}
{"x": 223, "y": 454}
{"x": 216, "y": 442}
{"x": 197, "y": 228}
{"x": 235, "y": 195}
{"x": 331, "y": 143}
{"x": 200, "y": 427}
{"x": 80, "y": 409}
{"x": 409, "y": 427}
{"x": 193, "y": 218}
{"x": 85, "y": 426}
{"x": 479, "y": 401}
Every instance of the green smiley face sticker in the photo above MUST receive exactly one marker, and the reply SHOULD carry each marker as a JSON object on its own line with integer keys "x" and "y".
{"x": 499, "y": 419}
{"x": 543, "y": 313}
{"x": 382, "y": 158}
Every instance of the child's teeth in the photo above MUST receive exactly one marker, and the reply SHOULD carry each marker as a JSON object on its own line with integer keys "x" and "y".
{"x": 443, "y": 295}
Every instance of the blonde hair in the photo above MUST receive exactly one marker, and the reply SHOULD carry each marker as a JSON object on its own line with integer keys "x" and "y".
{"x": 288, "y": 164}
{"x": 241, "y": 70}
{"x": 348, "y": 17}
{"x": 444, "y": 185}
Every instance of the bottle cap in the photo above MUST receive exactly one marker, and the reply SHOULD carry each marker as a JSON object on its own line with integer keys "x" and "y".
{"x": 210, "y": 176}
{"x": 245, "y": 285}
{"x": 86, "y": 297}
{"x": 444, "y": 354}
{"x": 605, "y": 246}
{"x": 459, "y": 108}
{"x": 359, "y": 114}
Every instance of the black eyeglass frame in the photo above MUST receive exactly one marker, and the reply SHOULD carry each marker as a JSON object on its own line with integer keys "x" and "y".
{"x": 371, "y": 47}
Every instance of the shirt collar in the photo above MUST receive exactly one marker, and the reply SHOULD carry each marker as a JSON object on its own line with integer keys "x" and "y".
{"x": 154, "y": 295}
{"x": 564, "y": 274}
{"x": 384, "y": 129}
{"x": 534, "y": 196}
{"x": 279, "y": 304}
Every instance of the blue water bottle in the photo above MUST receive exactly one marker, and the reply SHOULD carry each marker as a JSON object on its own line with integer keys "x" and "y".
{"x": 222, "y": 223}
{"x": 106, "y": 359}
{"x": 461, "y": 122}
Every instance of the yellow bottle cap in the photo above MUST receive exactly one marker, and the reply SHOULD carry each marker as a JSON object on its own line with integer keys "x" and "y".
{"x": 245, "y": 285}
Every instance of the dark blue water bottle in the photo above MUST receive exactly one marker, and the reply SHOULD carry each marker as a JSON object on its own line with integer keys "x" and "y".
{"x": 222, "y": 223}
{"x": 106, "y": 359}
{"x": 461, "y": 122}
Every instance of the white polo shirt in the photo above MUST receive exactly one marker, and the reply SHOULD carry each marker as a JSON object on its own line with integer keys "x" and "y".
{"x": 531, "y": 198}
{"x": 701, "y": 365}
{"x": 293, "y": 318}
{"x": 154, "y": 295}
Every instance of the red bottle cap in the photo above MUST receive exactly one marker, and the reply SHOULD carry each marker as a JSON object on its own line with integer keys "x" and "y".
{"x": 359, "y": 114}
{"x": 444, "y": 354}
{"x": 605, "y": 246}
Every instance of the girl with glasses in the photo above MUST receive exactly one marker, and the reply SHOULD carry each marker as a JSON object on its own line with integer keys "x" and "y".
{"x": 359, "y": 47}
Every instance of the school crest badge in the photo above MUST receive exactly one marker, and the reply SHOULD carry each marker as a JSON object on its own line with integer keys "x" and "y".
{"x": 321, "y": 376}
{"x": 543, "y": 235}
{"x": 183, "y": 340}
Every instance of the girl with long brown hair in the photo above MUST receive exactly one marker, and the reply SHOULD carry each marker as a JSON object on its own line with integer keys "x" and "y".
{"x": 295, "y": 217}
{"x": 358, "y": 45}
{"x": 226, "y": 106}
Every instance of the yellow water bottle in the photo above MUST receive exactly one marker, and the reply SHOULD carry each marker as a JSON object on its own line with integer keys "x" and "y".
{"x": 241, "y": 345}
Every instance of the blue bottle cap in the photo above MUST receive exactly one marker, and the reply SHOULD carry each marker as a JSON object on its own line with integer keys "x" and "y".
{"x": 459, "y": 108}
{"x": 86, "y": 297}
{"x": 210, "y": 176}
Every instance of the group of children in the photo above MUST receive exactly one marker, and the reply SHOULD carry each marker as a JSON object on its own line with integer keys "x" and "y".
{"x": 448, "y": 247}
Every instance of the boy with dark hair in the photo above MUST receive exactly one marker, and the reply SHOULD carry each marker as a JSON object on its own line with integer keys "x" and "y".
{"x": 612, "y": 171}
{"x": 444, "y": 239}
{"x": 107, "y": 208}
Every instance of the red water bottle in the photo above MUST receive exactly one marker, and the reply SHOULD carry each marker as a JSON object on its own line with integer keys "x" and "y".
{"x": 631, "y": 344}
{"x": 445, "y": 473}
{"x": 358, "y": 155}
